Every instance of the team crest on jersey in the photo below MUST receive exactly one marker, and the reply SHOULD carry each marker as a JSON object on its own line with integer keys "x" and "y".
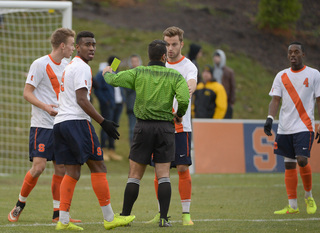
{"x": 85, "y": 81}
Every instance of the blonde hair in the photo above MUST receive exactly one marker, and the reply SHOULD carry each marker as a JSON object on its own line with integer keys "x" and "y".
{"x": 61, "y": 35}
{"x": 174, "y": 31}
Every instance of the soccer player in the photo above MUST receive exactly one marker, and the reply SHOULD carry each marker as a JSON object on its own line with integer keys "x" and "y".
{"x": 297, "y": 87}
{"x": 155, "y": 87}
{"x": 174, "y": 38}
{"x": 76, "y": 142}
{"x": 41, "y": 90}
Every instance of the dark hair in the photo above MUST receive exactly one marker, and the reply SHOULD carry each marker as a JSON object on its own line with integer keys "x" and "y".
{"x": 297, "y": 43}
{"x": 193, "y": 52}
{"x": 111, "y": 58}
{"x": 156, "y": 50}
{"x": 83, "y": 34}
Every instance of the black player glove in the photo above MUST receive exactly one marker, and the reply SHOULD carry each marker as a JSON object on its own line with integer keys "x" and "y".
{"x": 318, "y": 137}
{"x": 111, "y": 128}
{"x": 268, "y": 126}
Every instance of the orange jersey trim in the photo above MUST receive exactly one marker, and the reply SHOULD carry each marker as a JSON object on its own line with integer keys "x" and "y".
{"x": 53, "y": 79}
{"x": 35, "y": 139}
{"x": 179, "y": 128}
{"x": 297, "y": 71}
{"x": 188, "y": 145}
{"x": 53, "y": 60}
{"x": 172, "y": 63}
{"x": 91, "y": 137}
{"x": 297, "y": 101}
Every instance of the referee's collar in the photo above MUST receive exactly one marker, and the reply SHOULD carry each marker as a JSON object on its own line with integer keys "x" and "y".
{"x": 156, "y": 63}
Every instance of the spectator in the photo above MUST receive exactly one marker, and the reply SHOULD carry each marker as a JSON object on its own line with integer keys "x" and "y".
{"x": 111, "y": 103}
{"x": 210, "y": 98}
{"x": 195, "y": 52}
{"x": 130, "y": 96}
{"x": 224, "y": 75}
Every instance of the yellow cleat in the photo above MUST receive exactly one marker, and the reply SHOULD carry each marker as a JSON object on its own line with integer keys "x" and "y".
{"x": 68, "y": 227}
{"x": 311, "y": 205}
{"x": 287, "y": 210}
{"x": 118, "y": 221}
{"x": 155, "y": 220}
{"x": 186, "y": 220}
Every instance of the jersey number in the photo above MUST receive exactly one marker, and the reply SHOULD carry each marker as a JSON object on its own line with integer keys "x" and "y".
{"x": 306, "y": 82}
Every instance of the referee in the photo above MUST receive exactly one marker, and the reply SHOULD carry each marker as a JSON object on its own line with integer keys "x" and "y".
{"x": 155, "y": 87}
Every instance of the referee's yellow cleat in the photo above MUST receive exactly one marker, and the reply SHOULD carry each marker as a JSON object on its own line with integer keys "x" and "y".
{"x": 118, "y": 221}
{"x": 186, "y": 220}
{"x": 311, "y": 205}
{"x": 287, "y": 210}
{"x": 155, "y": 220}
{"x": 68, "y": 227}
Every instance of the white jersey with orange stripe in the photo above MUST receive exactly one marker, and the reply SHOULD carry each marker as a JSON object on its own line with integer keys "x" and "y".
{"x": 189, "y": 71}
{"x": 76, "y": 75}
{"x": 298, "y": 90}
{"x": 45, "y": 75}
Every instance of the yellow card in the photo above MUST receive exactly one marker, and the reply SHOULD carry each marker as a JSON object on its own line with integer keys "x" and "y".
{"x": 116, "y": 62}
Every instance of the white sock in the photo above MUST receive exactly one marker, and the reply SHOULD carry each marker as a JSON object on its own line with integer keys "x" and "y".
{"x": 64, "y": 217}
{"x": 107, "y": 212}
{"x": 307, "y": 194}
{"x": 185, "y": 206}
{"x": 56, "y": 204}
{"x": 22, "y": 199}
{"x": 293, "y": 203}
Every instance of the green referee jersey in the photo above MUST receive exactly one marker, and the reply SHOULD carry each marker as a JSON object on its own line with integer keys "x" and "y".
{"x": 155, "y": 87}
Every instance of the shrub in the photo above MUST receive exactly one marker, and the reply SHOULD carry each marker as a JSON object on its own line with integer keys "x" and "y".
{"x": 278, "y": 14}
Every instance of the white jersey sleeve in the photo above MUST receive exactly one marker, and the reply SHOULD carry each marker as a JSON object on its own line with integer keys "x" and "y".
{"x": 36, "y": 73}
{"x": 276, "y": 89}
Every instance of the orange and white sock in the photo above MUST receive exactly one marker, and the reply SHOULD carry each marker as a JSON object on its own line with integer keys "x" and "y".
{"x": 55, "y": 190}
{"x": 185, "y": 190}
{"x": 67, "y": 187}
{"x": 101, "y": 188}
{"x": 29, "y": 183}
{"x": 306, "y": 176}
{"x": 291, "y": 181}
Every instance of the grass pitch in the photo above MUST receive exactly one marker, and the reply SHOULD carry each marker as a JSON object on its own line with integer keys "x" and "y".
{"x": 220, "y": 203}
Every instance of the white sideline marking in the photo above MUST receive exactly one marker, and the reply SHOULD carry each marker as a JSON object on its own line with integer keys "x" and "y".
{"x": 194, "y": 220}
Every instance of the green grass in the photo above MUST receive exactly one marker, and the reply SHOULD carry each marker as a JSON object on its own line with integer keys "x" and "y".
{"x": 220, "y": 203}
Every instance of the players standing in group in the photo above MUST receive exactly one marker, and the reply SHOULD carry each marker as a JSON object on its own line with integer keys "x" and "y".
{"x": 76, "y": 142}
{"x": 174, "y": 38}
{"x": 155, "y": 87}
{"x": 42, "y": 90}
{"x": 298, "y": 88}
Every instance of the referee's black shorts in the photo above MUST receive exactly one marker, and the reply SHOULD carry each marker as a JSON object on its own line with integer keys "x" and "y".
{"x": 153, "y": 138}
